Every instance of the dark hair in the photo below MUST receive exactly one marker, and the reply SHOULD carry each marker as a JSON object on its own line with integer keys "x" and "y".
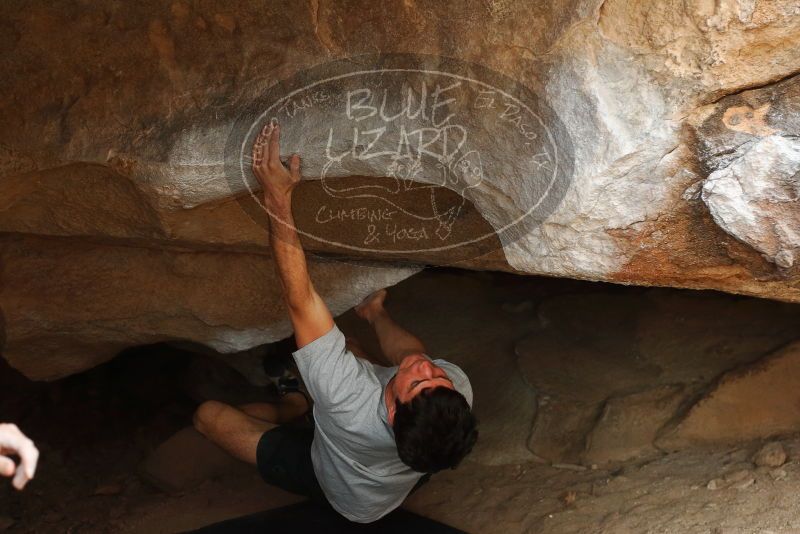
{"x": 434, "y": 431}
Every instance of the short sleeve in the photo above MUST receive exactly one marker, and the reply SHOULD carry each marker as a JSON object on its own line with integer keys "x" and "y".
{"x": 458, "y": 377}
{"x": 330, "y": 371}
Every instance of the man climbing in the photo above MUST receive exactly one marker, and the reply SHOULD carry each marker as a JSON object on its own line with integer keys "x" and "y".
{"x": 377, "y": 430}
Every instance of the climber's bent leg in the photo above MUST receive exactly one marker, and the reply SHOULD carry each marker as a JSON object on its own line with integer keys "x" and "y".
{"x": 291, "y": 406}
{"x": 232, "y": 429}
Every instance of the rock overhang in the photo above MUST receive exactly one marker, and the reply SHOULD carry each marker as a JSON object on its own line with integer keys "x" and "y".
{"x": 129, "y": 150}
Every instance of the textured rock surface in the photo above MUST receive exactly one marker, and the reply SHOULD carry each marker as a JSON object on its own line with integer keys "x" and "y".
{"x": 757, "y": 401}
{"x": 770, "y": 455}
{"x": 629, "y": 425}
{"x": 71, "y": 304}
{"x": 754, "y": 198}
{"x": 682, "y": 120}
{"x": 614, "y": 370}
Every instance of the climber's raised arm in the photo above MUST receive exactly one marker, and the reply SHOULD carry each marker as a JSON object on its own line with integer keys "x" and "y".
{"x": 309, "y": 314}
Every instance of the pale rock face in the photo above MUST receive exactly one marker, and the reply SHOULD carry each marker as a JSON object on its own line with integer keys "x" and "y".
{"x": 120, "y": 138}
{"x": 619, "y": 136}
{"x": 755, "y": 198}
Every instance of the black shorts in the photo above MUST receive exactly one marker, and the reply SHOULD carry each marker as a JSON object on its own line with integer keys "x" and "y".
{"x": 283, "y": 458}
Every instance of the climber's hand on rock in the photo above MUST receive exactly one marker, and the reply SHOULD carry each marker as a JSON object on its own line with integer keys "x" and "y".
{"x": 276, "y": 180}
{"x": 14, "y": 443}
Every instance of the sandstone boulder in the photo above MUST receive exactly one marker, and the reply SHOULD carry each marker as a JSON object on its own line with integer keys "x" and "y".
{"x": 628, "y": 426}
{"x": 613, "y": 369}
{"x": 770, "y": 455}
{"x": 752, "y": 402}
{"x": 71, "y": 304}
{"x": 668, "y": 133}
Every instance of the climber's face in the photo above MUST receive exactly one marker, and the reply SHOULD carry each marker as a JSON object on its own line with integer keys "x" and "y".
{"x": 417, "y": 373}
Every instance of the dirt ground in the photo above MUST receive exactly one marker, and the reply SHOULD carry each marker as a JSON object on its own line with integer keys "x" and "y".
{"x": 669, "y": 495}
{"x": 95, "y": 429}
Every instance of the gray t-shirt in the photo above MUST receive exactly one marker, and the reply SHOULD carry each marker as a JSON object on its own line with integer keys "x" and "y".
{"x": 354, "y": 452}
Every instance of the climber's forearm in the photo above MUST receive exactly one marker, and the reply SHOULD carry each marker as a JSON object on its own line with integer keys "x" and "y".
{"x": 309, "y": 314}
{"x": 287, "y": 252}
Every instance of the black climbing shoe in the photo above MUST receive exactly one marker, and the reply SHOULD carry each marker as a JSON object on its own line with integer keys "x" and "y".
{"x": 291, "y": 384}
{"x": 287, "y": 384}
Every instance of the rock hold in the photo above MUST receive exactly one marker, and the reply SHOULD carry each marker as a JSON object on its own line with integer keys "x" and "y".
{"x": 770, "y": 455}
{"x": 755, "y": 198}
